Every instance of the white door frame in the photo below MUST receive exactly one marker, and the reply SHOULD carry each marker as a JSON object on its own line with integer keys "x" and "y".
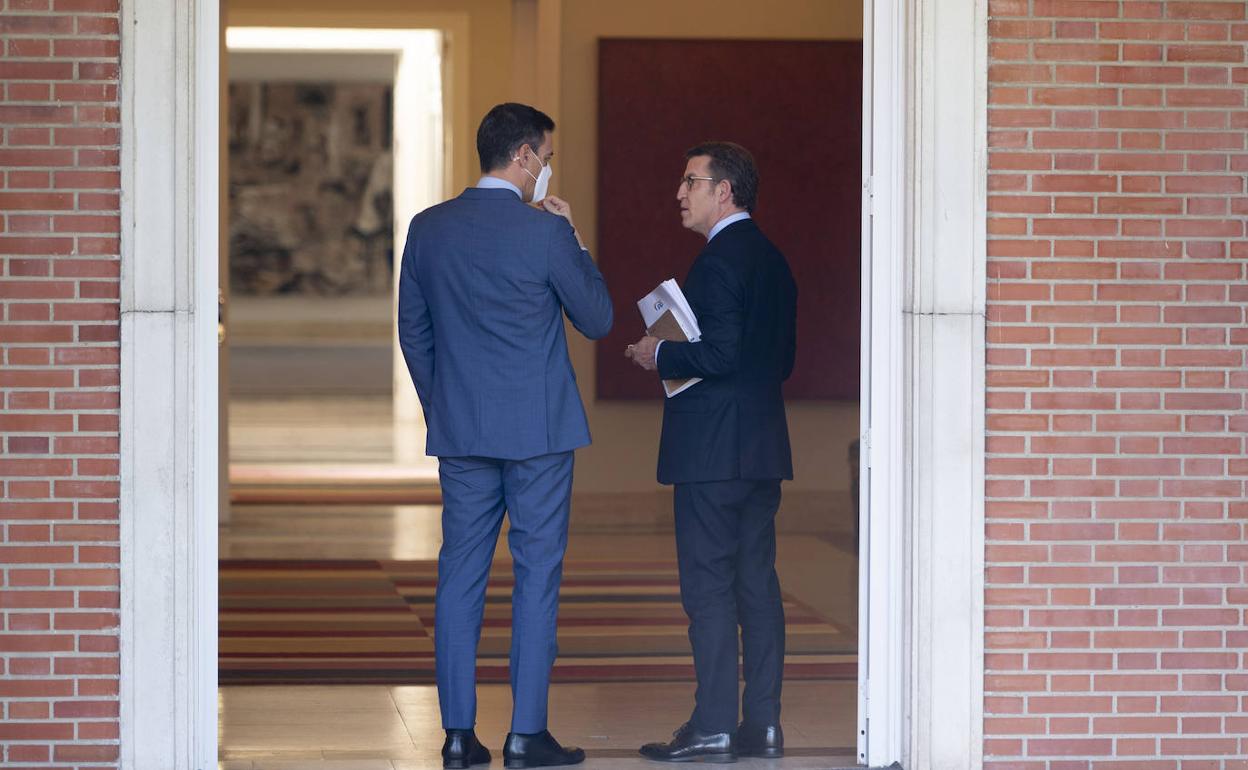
{"x": 921, "y": 620}
{"x": 921, "y": 677}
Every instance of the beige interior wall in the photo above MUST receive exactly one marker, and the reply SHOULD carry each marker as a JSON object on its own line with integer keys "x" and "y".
{"x": 524, "y": 32}
{"x": 489, "y": 46}
{"x": 624, "y": 452}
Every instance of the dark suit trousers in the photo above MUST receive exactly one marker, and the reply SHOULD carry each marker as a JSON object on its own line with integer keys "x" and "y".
{"x": 726, "y": 547}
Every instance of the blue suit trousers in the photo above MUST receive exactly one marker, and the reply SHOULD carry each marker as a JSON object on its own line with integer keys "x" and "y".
{"x": 476, "y": 492}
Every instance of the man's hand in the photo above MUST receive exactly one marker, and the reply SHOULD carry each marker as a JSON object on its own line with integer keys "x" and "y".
{"x": 642, "y": 353}
{"x": 560, "y": 208}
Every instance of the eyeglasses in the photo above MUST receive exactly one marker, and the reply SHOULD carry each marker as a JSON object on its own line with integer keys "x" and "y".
{"x": 690, "y": 179}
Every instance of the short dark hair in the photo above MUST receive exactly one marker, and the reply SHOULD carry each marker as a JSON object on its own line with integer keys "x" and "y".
{"x": 735, "y": 163}
{"x": 508, "y": 127}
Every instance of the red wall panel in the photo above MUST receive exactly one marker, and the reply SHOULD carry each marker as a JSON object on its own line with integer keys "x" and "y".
{"x": 797, "y": 106}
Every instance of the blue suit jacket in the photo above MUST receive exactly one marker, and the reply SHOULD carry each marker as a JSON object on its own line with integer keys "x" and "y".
{"x": 732, "y": 424}
{"x": 484, "y": 285}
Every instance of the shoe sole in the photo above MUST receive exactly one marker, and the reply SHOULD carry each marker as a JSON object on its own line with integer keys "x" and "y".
{"x": 763, "y": 754}
{"x": 518, "y": 764}
{"x": 461, "y": 764}
{"x": 712, "y": 759}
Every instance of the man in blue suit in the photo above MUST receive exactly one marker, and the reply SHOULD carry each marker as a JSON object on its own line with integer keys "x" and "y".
{"x": 725, "y": 447}
{"x": 485, "y": 282}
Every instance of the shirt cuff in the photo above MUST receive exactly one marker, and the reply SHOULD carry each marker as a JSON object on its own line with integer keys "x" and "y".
{"x": 657, "y": 345}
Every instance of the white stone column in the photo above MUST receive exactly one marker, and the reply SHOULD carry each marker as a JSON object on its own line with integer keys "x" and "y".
{"x": 169, "y": 237}
{"x": 946, "y": 383}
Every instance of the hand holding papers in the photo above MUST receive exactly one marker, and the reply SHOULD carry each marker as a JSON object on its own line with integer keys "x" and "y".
{"x": 667, "y": 316}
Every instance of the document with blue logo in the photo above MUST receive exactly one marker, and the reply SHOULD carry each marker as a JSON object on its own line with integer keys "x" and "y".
{"x": 668, "y": 316}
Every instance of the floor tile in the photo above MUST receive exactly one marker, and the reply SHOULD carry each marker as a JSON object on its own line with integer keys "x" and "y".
{"x": 327, "y": 764}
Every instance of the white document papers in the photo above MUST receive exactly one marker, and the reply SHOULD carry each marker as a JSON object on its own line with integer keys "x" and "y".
{"x": 668, "y": 316}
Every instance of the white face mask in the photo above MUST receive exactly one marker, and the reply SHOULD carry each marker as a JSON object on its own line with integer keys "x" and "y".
{"x": 541, "y": 181}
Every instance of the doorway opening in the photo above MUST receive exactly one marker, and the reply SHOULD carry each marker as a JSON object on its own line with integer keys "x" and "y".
{"x": 321, "y": 549}
{"x": 334, "y": 138}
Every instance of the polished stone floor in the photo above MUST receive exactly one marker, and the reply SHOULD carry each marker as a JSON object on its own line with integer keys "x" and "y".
{"x": 310, "y": 379}
{"x": 349, "y": 429}
{"x": 380, "y": 727}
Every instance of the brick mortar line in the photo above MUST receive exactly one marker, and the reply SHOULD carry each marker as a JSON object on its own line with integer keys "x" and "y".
{"x": 1107, "y": 367}
{"x": 1090, "y": 457}
{"x": 61, "y": 14}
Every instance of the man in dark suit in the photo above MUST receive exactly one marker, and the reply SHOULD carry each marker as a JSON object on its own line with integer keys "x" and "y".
{"x": 485, "y": 282}
{"x": 725, "y": 447}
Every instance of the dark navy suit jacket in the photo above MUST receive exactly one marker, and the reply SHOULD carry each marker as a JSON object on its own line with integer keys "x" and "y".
{"x": 484, "y": 285}
{"x": 732, "y": 425}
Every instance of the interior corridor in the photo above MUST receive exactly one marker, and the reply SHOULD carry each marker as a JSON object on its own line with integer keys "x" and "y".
{"x": 330, "y": 538}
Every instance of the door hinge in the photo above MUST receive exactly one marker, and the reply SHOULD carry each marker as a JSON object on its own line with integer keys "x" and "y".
{"x": 868, "y": 195}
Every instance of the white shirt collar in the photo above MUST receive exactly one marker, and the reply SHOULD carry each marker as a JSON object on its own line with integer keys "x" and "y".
{"x": 730, "y": 219}
{"x": 488, "y": 182}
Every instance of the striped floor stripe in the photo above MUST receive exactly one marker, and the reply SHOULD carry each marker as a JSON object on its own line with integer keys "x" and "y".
{"x": 352, "y": 622}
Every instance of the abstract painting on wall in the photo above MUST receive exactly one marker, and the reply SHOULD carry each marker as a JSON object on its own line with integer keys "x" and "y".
{"x": 310, "y": 189}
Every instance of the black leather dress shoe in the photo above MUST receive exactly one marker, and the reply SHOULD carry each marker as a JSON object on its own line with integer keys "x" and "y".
{"x": 688, "y": 744}
{"x": 538, "y": 750}
{"x": 766, "y": 741}
{"x": 463, "y": 750}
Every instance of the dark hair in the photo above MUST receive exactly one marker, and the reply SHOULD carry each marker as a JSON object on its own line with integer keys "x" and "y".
{"x": 735, "y": 163}
{"x": 505, "y": 129}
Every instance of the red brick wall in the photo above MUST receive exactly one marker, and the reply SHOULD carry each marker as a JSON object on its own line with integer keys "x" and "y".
{"x": 1116, "y": 338}
{"x": 59, "y": 224}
